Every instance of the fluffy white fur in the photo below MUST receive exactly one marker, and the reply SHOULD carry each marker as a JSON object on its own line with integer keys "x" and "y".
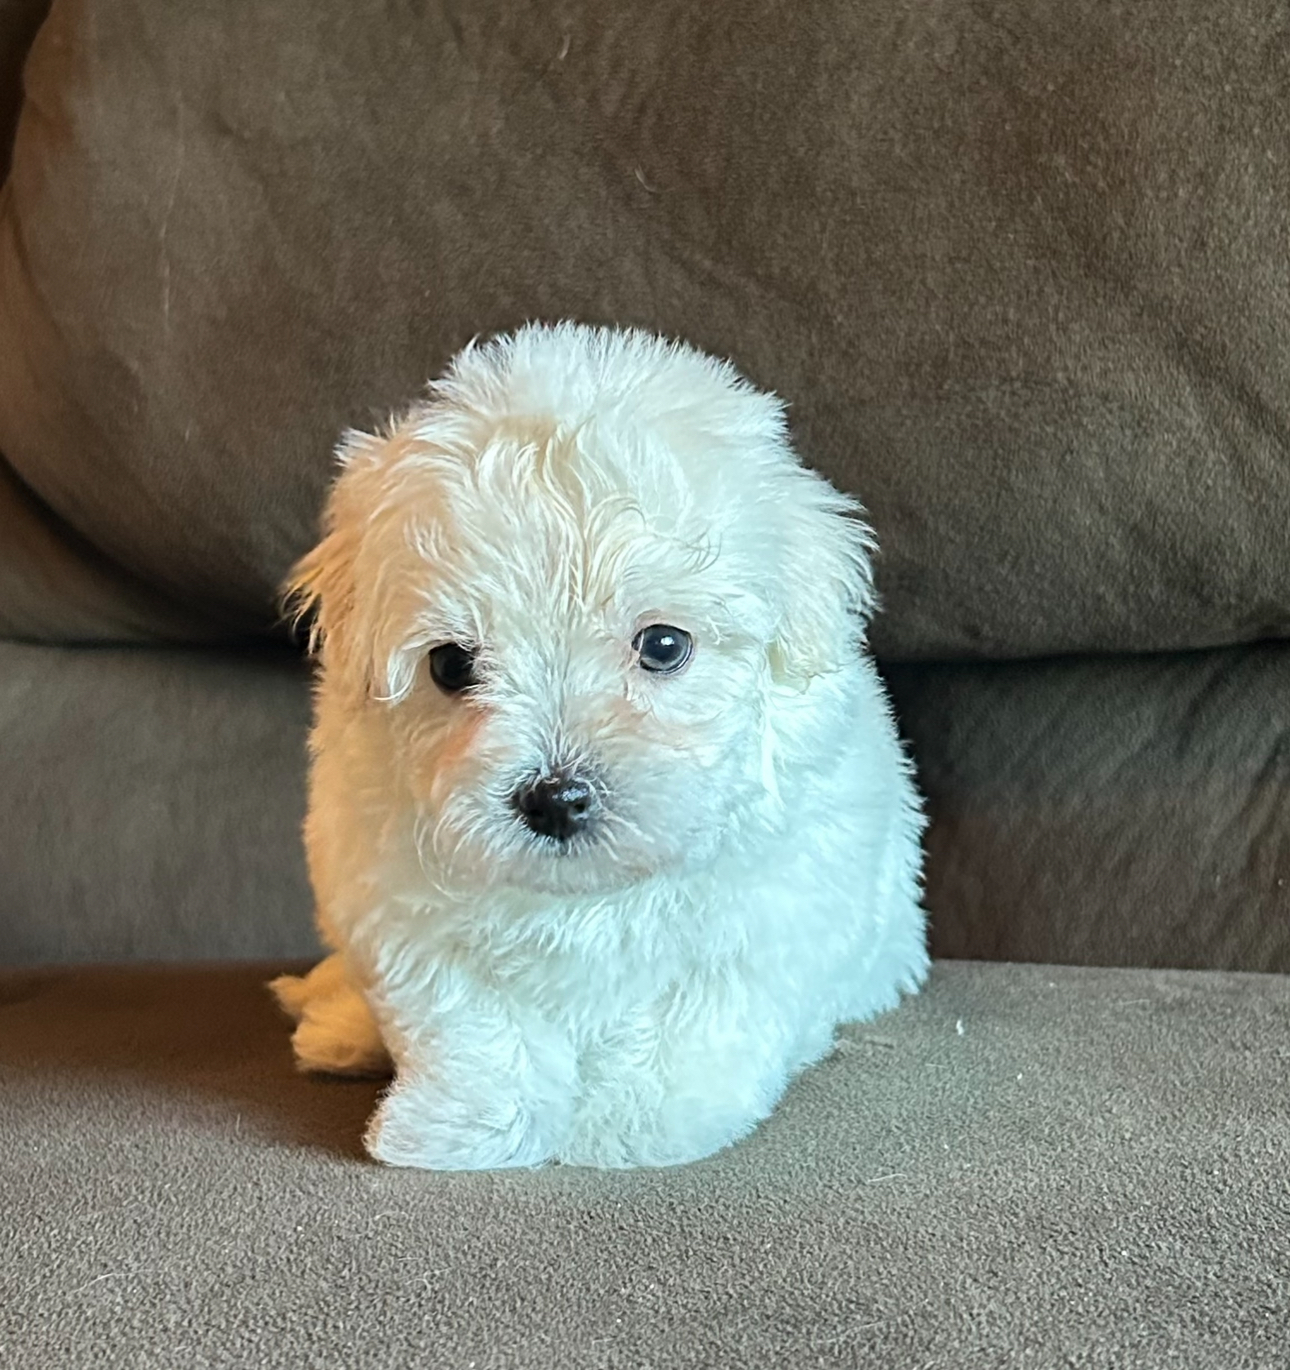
{"x": 643, "y": 995}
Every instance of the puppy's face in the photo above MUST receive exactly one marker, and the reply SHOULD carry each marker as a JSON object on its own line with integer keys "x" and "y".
{"x": 566, "y": 618}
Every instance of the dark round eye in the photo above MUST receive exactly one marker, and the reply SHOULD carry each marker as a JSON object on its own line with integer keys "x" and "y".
{"x": 452, "y": 667}
{"x": 662, "y": 649}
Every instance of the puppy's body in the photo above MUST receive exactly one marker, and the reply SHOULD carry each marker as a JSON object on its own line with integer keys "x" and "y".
{"x": 641, "y": 990}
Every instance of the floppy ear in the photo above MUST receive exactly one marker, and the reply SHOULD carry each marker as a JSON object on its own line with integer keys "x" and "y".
{"x": 322, "y": 587}
{"x": 827, "y": 595}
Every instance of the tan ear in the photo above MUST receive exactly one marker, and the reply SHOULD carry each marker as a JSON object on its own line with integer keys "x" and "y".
{"x": 319, "y": 590}
{"x": 828, "y": 592}
{"x": 321, "y": 587}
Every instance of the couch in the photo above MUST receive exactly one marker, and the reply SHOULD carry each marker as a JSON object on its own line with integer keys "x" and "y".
{"x": 1019, "y": 268}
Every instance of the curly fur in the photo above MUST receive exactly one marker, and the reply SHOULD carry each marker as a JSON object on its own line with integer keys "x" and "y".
{"x": 641, "y": 995}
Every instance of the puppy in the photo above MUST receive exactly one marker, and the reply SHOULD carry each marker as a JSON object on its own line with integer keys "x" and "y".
{"x": 609, "y": 825}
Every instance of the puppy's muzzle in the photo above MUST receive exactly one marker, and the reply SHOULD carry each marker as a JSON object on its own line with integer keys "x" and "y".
{"x": 559, "y": 806}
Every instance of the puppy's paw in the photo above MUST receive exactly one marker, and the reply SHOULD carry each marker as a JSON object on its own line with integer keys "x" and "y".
{"x": 422, "y": 1126}
{"x": 339, "y": 1036}
{"x": 294, "y": 992}
{"x": 336, "y": 1033}
{"x": 671, "y": 1139}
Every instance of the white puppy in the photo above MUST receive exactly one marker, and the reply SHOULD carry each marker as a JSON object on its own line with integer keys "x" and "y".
{"x": 609, "y": 824}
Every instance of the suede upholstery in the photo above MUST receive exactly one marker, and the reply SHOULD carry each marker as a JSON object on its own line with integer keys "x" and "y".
{"x": 1019, "y": 267}
{"x": 1019, "y": 303}
{"x": 19, "y": 22}
{"x": 155, "y": 800}
{"x": 1023, "y": 1167}
{"x": 1108, "y": 812}
{"x": 1089, "y": 812}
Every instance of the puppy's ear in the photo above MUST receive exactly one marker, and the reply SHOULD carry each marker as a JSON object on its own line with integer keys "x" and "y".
{"x": 321, "y": 590}
{"x": 827, "y": 586}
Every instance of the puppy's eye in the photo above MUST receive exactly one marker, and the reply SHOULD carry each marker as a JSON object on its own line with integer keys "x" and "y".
{"x": 662, "y": 649}
{"x": 452, "y": 668}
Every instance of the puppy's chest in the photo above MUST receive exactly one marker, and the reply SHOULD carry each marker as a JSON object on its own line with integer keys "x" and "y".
{"x": 593, "y": 966}
{"x": 591, "y": 984}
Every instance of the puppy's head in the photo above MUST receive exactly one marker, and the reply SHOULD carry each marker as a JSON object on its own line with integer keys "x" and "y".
{"x": 577, "y": 605}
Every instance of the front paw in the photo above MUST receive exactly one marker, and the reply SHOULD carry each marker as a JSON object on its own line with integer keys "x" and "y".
{"x": 424, "y": 1126}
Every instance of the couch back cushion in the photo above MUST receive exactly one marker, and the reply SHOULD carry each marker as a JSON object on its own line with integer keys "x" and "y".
{"x": 19, "y": 22}
{"x": 1020, "y": 270}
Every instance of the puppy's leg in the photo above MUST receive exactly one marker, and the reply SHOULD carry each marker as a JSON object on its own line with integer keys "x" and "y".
{"x": 690, "y": 1078}
{"x": 293, "y": 992}
{"x": 475, "y": 1088}
{"x": 336, "y": 1033}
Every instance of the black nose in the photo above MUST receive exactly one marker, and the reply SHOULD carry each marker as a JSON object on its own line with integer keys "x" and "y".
{"x": 556, "y": 806}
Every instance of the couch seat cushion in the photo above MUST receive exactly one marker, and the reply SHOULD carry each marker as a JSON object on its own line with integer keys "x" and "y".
{"x": 1023, "y": 1166}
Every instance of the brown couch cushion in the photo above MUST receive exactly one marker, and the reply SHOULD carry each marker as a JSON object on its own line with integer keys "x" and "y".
{"x": 1126, "y": 812}
{"x": 1021, "y": 1167}
{"x": 1019, "y": 267}
{"x": 150, "y": 805}
{"x": 57, "y": 587}
{"x": 1132, "y": 812}
{"x": 19, "y": 22}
